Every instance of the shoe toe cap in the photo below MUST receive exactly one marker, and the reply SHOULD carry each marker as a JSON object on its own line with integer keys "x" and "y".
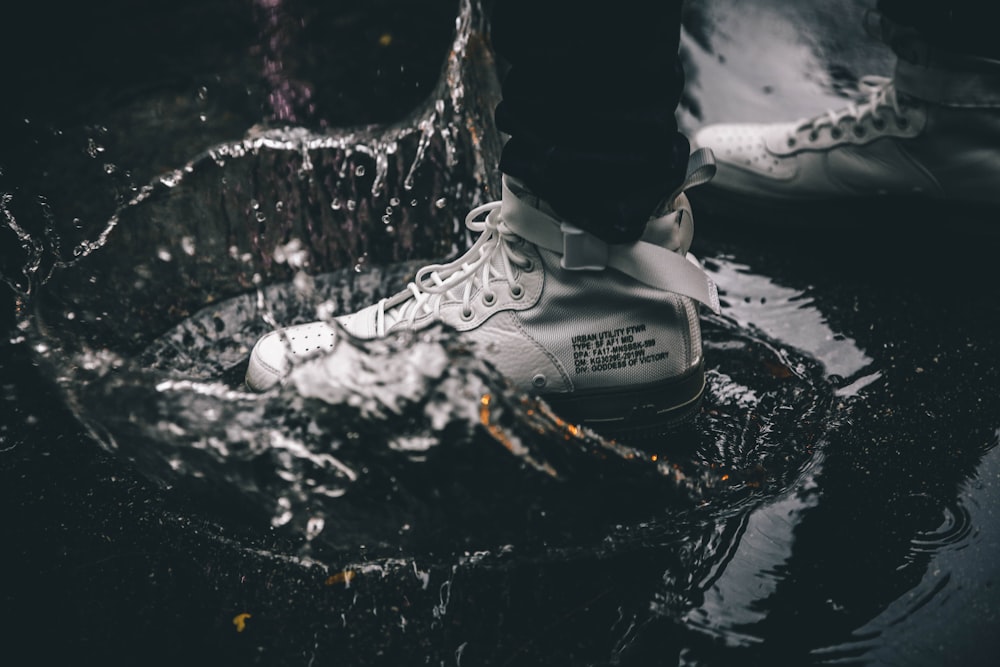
{"x": 746, "y": 155}
{"x": 268, "y": 363}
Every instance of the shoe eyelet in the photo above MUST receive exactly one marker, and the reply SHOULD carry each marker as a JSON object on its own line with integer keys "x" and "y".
{"x": 528, "y": 267}
{"x": 859, "y": 130}
{"x": 878, "y": 123}
{"x": 814, "y": 135}
{"x": 791, "y": 142}
{"x": 466, "y": 315}
{"x": 836, "y": 133}
{"x": 902, "y": 122}
{"x": 517, "y": 291}
{"x": 489, "y": 298}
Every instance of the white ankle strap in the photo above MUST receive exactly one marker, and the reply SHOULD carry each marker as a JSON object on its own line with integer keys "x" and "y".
{"x": 648, "y": 263}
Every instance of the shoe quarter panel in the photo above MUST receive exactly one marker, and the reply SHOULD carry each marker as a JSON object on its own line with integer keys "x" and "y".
{"x": 608, "y": 330}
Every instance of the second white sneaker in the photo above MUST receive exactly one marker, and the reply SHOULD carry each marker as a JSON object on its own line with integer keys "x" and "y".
{"x": 931, "y": 133}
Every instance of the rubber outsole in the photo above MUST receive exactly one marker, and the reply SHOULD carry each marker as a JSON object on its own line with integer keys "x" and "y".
{"x": 637, "y": 413}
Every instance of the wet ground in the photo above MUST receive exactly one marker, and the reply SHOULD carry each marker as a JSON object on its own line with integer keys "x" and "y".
{"x": 178, "y": 179}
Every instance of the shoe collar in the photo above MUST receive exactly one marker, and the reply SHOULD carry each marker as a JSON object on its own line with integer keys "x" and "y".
{"x": 646, "y": 260}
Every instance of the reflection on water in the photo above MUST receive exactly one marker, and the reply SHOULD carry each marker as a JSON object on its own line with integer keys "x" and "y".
{"x": 787, "y": 315}
{"x": 411, "y": 507}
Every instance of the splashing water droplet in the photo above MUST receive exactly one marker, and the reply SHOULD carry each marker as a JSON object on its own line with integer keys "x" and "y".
{"x": 172, "y": 179}
{"x": 314, "y": 527}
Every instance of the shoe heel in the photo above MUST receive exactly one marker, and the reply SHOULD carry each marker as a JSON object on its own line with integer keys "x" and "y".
{"x": 635, "y": 414}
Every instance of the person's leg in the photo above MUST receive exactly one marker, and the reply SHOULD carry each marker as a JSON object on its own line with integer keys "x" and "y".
{"x": 931, "y": 131}
{"x": 589, "y": 102}
{"x": 580, "y": 286}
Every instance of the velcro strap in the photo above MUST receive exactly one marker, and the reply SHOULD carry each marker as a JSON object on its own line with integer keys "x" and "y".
{"x": 648, "y": 263}
{"x": 582, "y": 251}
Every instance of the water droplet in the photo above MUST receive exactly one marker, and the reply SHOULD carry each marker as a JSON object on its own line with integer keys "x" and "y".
{"x": 314, "y": 527}
{"x": 414, "y": 202}
{"x": 164, "y": 254}
{"x": 351, "y": 204}
{"x": 260, "y": 216}
{"x": 254, "y": 204}
{"x": 441, "y": 203}
{"x": 326, "y": 310}
{"x": 335, "y": 204}
{"x": 187, "y": 245}
{"x": 279, "y": 205}
{"x": 386, "y": 219}
{"x": 394, "y": 202}
{"x": 293, "y": 253}
{"x": 110, "y": 168}
{"x": 202, "y": 93}
{"x": 202, "y": 117}
{"x": 93, "y": 148}
{"x": 359, "y": 170}
{"x": 172, "y": 179}
{"x": 304, "y": 283}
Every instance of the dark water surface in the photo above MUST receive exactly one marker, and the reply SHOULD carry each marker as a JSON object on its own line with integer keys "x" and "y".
{"x": 177, "y": 179}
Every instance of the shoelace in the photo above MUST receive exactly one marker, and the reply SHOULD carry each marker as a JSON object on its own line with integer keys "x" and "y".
{"x": 881, "y": 93}
{"x": 436, "y": 282}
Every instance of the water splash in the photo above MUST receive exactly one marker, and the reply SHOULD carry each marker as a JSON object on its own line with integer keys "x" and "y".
{"x": 147, "y": 325}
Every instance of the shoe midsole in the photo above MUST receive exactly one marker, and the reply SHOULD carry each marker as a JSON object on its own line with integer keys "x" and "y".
{"x": 644, "y": 403}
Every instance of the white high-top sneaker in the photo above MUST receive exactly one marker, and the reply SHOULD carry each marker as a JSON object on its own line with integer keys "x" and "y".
{"x": 931, "y": 131}
{"x": 608, "y": 334}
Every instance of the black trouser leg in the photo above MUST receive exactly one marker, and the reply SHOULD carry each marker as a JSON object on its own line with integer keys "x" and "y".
{"x": 589, "y": 103}
{"x": 957, "y": 26}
